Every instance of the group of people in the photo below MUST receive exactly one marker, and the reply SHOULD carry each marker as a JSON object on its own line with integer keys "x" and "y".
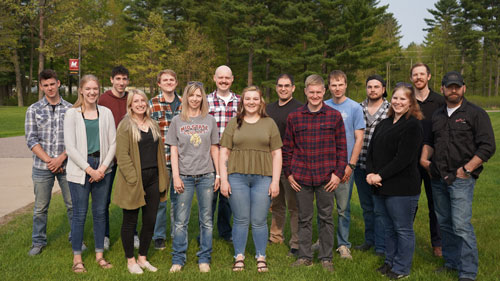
{"x": 249, "y": 158}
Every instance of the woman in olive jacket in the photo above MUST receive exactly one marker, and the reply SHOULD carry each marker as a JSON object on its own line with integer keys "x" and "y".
{"x": 142, "y": 179}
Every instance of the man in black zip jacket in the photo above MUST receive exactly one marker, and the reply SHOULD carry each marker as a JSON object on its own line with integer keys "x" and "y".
{"x": 461, "y": 140}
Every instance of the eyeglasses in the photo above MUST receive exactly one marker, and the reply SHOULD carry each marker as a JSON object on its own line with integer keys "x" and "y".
{"x": 286, "y": 86}
{"x": 403, "y": 84}
{"x": 195, "y": 83}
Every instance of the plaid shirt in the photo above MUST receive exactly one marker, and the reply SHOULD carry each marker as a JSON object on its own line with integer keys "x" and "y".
{"x": 163, "y": 112}
{"x": 222, "y": 112}
{"x": 314, "y": 145}
{"x": 45, "y": 127}
{"x": 380, "y": 115}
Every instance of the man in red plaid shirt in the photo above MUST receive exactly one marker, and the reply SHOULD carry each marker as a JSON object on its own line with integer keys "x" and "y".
{"x": 314, "y": 161}
{"x": 223, "y": 105}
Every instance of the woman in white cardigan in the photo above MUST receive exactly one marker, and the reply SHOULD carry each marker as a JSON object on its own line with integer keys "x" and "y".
{"x": 89, "y": 137}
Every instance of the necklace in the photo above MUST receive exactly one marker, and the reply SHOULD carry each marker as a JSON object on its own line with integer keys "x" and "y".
{"x": 142, "y": 125}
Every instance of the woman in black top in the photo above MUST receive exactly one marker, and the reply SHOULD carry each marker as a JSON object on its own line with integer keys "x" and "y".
{"x": 392, "y": 170}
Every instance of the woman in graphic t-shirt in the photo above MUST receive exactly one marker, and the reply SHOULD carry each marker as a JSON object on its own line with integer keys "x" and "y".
{"x": 193, "y": 138}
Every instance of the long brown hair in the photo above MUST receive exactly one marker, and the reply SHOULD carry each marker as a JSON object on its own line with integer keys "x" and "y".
{"x": 409, "y": 92}
{"x": 85, "y": 79}
{"x": 241, "y": 108}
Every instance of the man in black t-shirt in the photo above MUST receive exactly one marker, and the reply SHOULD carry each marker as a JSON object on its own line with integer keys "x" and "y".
{"x": 279, "y": 111}
{"x": 429, "y": 101}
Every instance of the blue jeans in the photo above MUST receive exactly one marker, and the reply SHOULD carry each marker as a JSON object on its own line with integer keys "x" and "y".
{"x": 204, "y": 186}
{"x": 160, "y": 231}
{"x": 111, "y": 180}
{"x": 398, "y": 213}
{"x": 453, "y": 204}
{"x": 43, "y": 182}
{"x": 80, "y": 197}
{"x": 374, "y": 225}
{"x": 343, "y": 197}
{"x": 250, "y": 203}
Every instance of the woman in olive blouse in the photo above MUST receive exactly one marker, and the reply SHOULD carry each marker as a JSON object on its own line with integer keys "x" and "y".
{"x": 250, "y": 167}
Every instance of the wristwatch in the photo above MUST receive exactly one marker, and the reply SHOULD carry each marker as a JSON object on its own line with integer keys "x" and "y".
{"x": 352, "y": 166}
{"x": 467, "y": 172}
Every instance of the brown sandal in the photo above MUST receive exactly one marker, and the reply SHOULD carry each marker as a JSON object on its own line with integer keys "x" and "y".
{"x": 262, "y": 266}
{"x": 239, "y": 265}
{"x": 77, "y": 269}
{"x": 105, "y": 265}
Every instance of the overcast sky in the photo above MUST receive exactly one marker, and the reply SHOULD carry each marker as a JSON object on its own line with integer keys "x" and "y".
{"x": 410, "y": 15}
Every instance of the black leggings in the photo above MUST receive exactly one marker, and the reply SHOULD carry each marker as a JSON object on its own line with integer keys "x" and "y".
{"x": 152, "y": 197}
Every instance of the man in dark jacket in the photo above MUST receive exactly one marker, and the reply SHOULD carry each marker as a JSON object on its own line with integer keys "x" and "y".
{"x": 461, "y": 140}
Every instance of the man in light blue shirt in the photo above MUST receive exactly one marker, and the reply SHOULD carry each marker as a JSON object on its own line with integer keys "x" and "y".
{"x": 354, "y": 124}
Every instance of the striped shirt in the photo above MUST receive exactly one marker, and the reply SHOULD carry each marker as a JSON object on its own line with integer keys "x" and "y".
{"x": 314, "y": 146}
{"x": 163, "y": 112}
{"x": 380, "y": 115}
{"x": 44, "y": 125}
{"x": 221, "y": 111}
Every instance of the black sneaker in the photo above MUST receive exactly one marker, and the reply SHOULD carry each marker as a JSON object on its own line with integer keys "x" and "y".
{"x": 363, "y": 247}
{"x": 384, "y": 269}
{"x": 293, "y": 253}
{"x": 395, "y": 276}
{"x": 160, "y": 244}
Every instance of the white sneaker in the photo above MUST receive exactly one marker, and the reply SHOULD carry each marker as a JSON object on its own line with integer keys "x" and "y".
{"x": 148, "y": 266}
{"x": 136, "y": 242}
{"x": 204, "y": 267}
{"x": 175, "y": 268}
{"x": 134, "y": 269}
{"x": 106, "y": 243}
{"x": 344, "y": 252}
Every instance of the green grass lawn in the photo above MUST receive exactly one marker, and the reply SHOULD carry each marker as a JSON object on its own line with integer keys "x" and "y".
{"x": 56, "y": 260}
{"x": 12, "y": 121}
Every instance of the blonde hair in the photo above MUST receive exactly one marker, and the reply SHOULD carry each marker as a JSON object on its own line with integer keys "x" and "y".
{"x": 189, "y": 90}
{"x": 314, "y": 79}
{"x": 130, "y": 123}
{"x": 85, "y": 79}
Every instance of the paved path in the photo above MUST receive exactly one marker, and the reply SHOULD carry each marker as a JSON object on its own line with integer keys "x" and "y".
{"x": 16, "y": 186}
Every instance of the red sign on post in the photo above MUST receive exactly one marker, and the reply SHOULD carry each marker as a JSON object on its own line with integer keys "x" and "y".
{"x": 74, "y": 65}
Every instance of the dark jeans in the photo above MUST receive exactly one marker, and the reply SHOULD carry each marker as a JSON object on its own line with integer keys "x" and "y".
{"x": 152, "y": 196}
{"x": 433, "y": 222}
{"x": 112, "y": 179}
{"x": 324, "y": 204}
{"x": 398, "y": 213}
{"x": 223, "y": 216}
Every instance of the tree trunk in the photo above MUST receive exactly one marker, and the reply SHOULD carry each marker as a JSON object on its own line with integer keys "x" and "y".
{"x": 483, "y": 81}
{"x": 19, "y": 86}
{"x": 267, "y": 90}
{"x": 490, "y": 77}
{"x": 497, "y": 78}
{"x": 250, "y": 67}
{"x": 32, "y": 55}
{"x": 41, "y": 55}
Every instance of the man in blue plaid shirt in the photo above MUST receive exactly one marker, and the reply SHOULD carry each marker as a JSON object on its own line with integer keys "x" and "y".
{"x": 44, "y": 136}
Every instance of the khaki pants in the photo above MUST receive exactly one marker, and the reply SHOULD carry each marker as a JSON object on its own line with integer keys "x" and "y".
{"x": 279, "y": 204}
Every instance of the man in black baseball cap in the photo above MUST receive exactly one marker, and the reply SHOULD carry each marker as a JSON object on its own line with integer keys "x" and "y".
{"x": 461, "y": 141}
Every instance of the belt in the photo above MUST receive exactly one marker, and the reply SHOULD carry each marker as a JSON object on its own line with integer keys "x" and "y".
{"x": 196, "y": 176}
{"x": 96, "y": 154}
